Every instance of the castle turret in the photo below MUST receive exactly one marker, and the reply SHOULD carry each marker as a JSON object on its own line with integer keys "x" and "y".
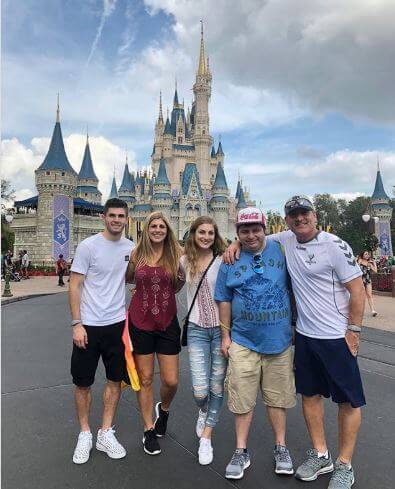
{"x": 161, "y": 199}
{"x": 127, "y": 191}
{"x": 241, "y": 203}
{"x": 201, "y": 124}
{"x": 114, "y": 191}
{"x": 56, "y": 182}
{"x": 87, "y": 179}
{"x": 380, "y": 203}
{"x": 219, "y": 201}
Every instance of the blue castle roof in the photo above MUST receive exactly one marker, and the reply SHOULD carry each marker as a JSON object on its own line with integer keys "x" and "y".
{"x": 190, "y": 170}
{"x": 77, "y": 202}
{"x": 87, "y": 188}
{"x": 56, "y": 158}
{"x": 162, "y": 178}
{"x": 167, "y": 127}
{"x": 241, "y": 204}
{"x": 175, "y": 114}
{"x": 220, "y": 179}
{"x": 238, "y": 190}
{"x": 87, "y": 172}
{"x": 127, "y": 184}
{"x": 379, "y": 192}
{"x": 219, "y": 150}
{"x": 212, "y": 152}
{"x": 114, "y": 192}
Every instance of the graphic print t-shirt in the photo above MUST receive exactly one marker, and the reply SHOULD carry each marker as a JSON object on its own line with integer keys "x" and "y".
{"x": 319, "y": 269}
{"x": 261, "y": 313}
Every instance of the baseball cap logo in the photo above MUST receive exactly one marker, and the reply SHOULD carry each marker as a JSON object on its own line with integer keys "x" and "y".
{"x": 248, "y": 217}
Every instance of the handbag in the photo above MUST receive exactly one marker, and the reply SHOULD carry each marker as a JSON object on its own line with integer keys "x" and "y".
{"x": 184, "y": 339}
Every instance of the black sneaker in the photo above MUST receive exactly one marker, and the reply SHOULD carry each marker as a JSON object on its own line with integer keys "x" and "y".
{"x": 150, "y": 443}
{"x": 160, "y": 424}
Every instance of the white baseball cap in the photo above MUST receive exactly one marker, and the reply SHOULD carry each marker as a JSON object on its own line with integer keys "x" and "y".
{"x": 250, "y": 215}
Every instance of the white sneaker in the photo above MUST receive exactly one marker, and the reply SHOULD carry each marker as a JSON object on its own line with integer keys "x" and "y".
{"x": 83, "y": 448}
{"x": 201, "y": 423}
{"x": 205, "y": 451}
{"x": 106, "y": 442}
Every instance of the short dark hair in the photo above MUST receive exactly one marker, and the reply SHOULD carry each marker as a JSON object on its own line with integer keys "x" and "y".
{"x": 115, "y": 203}
{"x": 60, "y": 256}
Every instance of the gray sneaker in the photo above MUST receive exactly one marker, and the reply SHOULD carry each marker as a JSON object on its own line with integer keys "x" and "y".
{"x": 314, "y": 466}
{"x": 283, "y": 460}
{"x": 342, "y": 477}
{"x": 240, "y": 461}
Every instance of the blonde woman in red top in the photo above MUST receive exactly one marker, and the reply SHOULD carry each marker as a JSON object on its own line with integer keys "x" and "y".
{"x": 153, "y": 324}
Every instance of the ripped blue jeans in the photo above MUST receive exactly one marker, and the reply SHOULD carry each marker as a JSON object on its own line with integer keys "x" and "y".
{"x": 208, "y": 370}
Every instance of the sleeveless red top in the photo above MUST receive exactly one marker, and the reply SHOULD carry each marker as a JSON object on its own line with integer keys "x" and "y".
{"x": 153, "y": 305}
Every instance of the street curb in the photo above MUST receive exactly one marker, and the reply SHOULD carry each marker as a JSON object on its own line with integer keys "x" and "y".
{"x": 4, "y": 302}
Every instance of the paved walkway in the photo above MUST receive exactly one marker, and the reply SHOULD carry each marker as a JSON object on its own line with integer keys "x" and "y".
{"x": 33, "y": 286}
{"x": 48, "y": 285}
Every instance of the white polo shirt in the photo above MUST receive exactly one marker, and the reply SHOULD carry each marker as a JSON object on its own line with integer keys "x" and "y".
{"x": 319, "y": 269}
{"x": 104, "y": 264}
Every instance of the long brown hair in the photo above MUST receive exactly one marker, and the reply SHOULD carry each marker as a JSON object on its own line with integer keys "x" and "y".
{"x": 191, "y": 251}
{"x": 143, "y": 252}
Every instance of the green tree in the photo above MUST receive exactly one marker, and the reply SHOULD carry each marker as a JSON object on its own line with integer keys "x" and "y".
{"x": 352, "y": 229}
{"x": 328, "y": 210}
{"x": 7, "y": 192}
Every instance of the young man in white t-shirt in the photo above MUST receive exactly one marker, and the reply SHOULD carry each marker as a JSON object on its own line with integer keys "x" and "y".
{"x": 329, "y": 293}
{"x": 97, "y": 303}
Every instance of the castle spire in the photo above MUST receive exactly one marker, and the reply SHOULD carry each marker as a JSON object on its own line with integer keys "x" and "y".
{"x": 202, "y": 58}
{"x": 57, "y": 111}
{"x": 379, "y": 193}
{"x": 175, "y": 100}
{"x": 160, "y": 118}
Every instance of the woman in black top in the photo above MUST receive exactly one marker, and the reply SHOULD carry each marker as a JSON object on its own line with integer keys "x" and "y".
{"x": 368, "y": 265}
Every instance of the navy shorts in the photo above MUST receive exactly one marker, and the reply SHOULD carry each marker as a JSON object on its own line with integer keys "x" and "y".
{"x": 327, "y": 367}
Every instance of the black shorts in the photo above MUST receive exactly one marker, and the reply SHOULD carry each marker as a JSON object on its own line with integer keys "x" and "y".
{"x": 327, "y": 367}
{"x": 105, "y": 342}
{"x": 165, "y": 342}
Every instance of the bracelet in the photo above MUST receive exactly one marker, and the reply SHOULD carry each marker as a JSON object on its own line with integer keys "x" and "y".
{"x": 224, "y": 326}
{"x": 354, "y": 328}
{"x": 74, "y": 322}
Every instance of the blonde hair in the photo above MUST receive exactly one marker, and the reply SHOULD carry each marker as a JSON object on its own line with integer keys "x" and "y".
{"x": 143, "y": 252}
{"x": 191, "y": 250}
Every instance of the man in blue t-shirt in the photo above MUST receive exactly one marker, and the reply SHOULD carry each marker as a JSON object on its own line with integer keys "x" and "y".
{"x": 255, "y": 316}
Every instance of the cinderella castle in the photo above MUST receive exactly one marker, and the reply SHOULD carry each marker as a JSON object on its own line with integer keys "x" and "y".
{"x": 186, "y": 180}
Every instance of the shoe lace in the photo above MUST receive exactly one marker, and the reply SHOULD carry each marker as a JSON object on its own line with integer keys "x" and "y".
{"x": 283, "y": 455}
{"x": 110, "y": 437}
{"x": 342, "y": 474}
{"x": 312, "y": 459}
{"x": 238, "y": 458}
{"x": 83, "y": 443}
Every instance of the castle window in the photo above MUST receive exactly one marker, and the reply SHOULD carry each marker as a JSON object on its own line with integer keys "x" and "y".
{"x": 179, "y": 140}
{"x": 48, "y": 173}
{"x": 62, "y": 173}
{"x": 204, "y": 132}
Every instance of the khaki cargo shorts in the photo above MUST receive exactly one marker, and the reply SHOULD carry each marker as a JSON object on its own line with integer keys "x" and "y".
{"x": 248, "y": 371}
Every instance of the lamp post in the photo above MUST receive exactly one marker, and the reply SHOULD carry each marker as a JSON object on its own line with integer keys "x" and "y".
{"x": 7, "y": 288}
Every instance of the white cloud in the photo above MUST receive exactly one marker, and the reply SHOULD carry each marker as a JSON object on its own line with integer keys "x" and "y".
{"x": 347, "y": 195}
{"x": 20, "y": 161}
{"x": 328, "y": 56}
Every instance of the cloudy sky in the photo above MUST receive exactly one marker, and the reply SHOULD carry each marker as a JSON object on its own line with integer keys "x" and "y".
{"x": 303, "y": 92}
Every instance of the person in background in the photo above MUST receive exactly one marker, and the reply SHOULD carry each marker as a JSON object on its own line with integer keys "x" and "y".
{"x": 203, "y": 249}
{"x": 25, "y": 261}
{"x": 153, "y": 323}
{"x": 368, "y": 265}
{"x": 61, "y": 267}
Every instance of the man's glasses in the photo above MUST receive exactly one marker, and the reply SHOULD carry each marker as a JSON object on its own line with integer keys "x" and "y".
{"x": 257, "y": 264}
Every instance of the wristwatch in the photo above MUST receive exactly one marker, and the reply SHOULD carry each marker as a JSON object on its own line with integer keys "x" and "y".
{"x": 354, "y": 328}
{"x": 74, "y": 322}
